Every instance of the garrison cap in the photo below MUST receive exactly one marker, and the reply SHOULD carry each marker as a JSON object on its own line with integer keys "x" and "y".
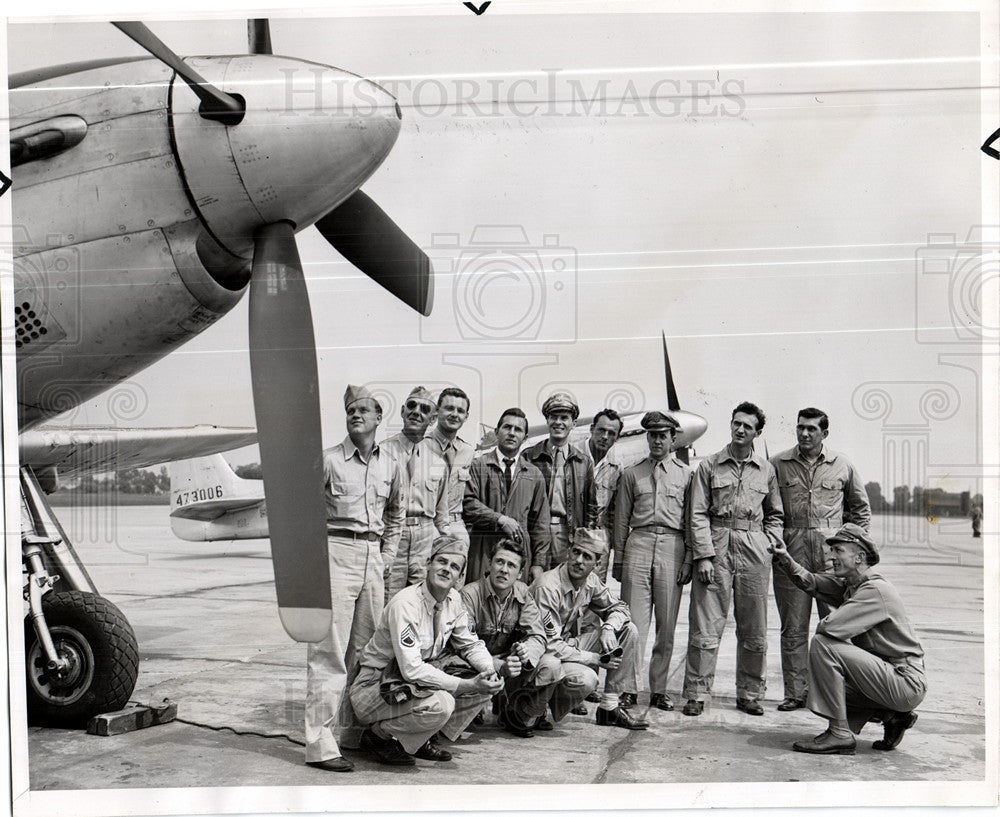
{"x": 355, "y": 393}
{"x": 560, "y": 401}
{"x": 420, "y": 393}
{"x": 592, "y": 540}
{"x": 858, "y": 536}
{"x": 658, "y": 421}
{"x": 451, "y": 545}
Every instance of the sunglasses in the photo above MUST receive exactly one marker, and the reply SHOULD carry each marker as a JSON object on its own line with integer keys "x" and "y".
{"x": 425, "y": 408}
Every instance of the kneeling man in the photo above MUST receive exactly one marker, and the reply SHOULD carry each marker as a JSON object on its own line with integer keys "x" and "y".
{"x": 865, "y": 662}
{"x": 504, "y": 614}
{"x": 564, "y": 595}
{"x": 399, "y": 694}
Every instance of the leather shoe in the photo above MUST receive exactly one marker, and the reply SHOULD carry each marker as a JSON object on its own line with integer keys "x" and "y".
{"x": 543, "y": 724}
{"x": 514, "y": 726}
{"x": 386, "y": 750}
{"x": 578, "y": 710}
{"x": 431, "y": 751}
{"x": 479, "y": 720}
{"x": 661, "y": 701}
{"x": 627, "y": 700}
{"x": 750, "y": 707}
{"x": 693, "y": 708}
{"x": 333, "y": 764}
{"x": 826, "y": 744}
{"x": 594, "y": 697}
{"x": 789, "y": 704}
{"x": 620, "y": 717}
{"x": 894, "y": 724}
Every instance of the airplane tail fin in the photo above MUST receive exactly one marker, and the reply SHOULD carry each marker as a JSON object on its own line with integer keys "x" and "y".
{"x": 203, "y": 491}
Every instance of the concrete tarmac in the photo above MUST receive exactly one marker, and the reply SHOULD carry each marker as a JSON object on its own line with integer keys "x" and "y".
{"x": 210, "y": 639}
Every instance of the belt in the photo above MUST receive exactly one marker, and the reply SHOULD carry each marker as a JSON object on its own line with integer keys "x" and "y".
{"x": 455, "y": 517}
{"x": 812, "y": 522}
{"x": 736, "y": 524}
{"x": 413, "y": 521}
{"x": 558, "y": 520}
{"x": 660, "y": 529}
{"x": 357, "y": 537}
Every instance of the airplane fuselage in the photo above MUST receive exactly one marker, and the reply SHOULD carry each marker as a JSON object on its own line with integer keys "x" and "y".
{"x": 135, "y": 216}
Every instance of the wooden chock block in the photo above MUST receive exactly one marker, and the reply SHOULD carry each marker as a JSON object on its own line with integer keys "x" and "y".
{"x": 132, "y": 717}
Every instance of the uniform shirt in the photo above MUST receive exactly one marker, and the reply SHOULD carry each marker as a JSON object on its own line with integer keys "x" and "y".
{"x": 869, "y": 614}
{"x": 458, "y": 455}
{"x": 502, "y": 623}
{"x": 562, "y": 606}
{"x": 722, "y": 487}
{"x": 826, "y": 494}
{"x": 651, "y": 493}
{"x": 607, "y": 474}
{"x": 406, "y": 633}
{"x": 364, "y": 497}
{"x": 426, "y": 478}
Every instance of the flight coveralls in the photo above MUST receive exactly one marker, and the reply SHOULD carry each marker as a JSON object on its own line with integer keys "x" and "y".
{"x": 649, "y": 536}
{"x": 457, "y": 455}
{"x": 503, "y": 623}
{"x": 405, "y": 643}
{"x": 865, "y": 657}
{"x": 734, "y": 513}
{"x": 427, "y": 513}
{"x": 816, "y": 499}
{"x": 562, "y": 607}
{"x": 365, "y": 508}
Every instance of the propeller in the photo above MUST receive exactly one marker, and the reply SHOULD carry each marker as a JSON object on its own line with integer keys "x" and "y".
{"x": 216, "y": 105}
{"x": 673, "y": 403}
{"x": 286, "y": 403}
{"x": 259, "y": 36}
{"x": 361, "y": 231}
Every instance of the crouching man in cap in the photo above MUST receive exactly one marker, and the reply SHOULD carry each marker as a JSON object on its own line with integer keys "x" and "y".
{"x": 564, "y": 595}
{"x": 504, "y": 614}
{"x": 865, "y": 663}
{"x": 399, "y": 693}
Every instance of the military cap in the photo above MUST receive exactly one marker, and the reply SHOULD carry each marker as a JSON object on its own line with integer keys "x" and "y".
{"x": 355, "y": 393}
{"x": 592, "y": 540}
{"x": 449, "y": 544}
{"x": 560, "y": 401}
{"x": 658, "y": 421}
{"x": 420, "y": 393}
{"x": 858, "y": 536}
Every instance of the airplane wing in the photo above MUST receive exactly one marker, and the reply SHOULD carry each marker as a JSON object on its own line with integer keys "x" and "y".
{"x": 75, "y": 451}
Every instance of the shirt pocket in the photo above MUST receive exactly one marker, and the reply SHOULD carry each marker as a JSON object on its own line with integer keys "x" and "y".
{"x": 723, "y": 489}
{"x": 673, "y": 500}
{"x": 830, "y": 493}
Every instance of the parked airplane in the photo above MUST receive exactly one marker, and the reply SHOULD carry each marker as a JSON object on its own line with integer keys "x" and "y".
{"x": 165, "y": 189}
{"x": 209, "y": 502}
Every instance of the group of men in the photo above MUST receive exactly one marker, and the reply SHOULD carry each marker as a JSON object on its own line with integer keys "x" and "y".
{"x": 492, "y": 571}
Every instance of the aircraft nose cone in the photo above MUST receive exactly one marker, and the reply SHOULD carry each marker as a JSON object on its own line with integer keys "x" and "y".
{"x": 312, "y": 135}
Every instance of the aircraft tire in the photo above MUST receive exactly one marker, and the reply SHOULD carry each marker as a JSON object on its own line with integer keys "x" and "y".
{"x": 94, "y": 635}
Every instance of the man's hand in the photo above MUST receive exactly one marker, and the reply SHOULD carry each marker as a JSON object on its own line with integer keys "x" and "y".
{"x": 535, "y": 571}
{"x": 684, "y": 573}
{"x": 616, "y": 568}
{"x": 706, "y": 570}
{"x": 511, "y": 529}
{"x": 779, "y": 551}
{"x": 609, "y": 641}
{"x": 512, "y": 666}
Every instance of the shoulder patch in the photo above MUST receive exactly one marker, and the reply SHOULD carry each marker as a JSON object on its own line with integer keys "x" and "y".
{"x": 550, "y": 625}
{"x": 408, "y": 638}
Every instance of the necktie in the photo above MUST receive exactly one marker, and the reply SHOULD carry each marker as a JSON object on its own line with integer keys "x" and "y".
{"x": 438, "y": 625}
{"x": 507, "y": 475}
{"x": 557, "y": 502}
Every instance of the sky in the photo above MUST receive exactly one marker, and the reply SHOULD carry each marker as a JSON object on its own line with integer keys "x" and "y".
{"x": 777, "y": 193}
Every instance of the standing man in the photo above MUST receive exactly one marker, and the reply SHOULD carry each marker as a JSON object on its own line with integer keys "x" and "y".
{"x": 505, "y": 499}
{"x": 365, "y": 507}
{"x": 820, "y": 491}
{"x": 865, "y": 662}
{"x": 399, "y": 693}
{"x": 504, "y": 614}
{"x": 650, "y": 558}
{"x": 569, "y": 476}
{"x": 452, "y": 412}
{"x": 605, "y": 429}
{"x": 564, "y": 594}
{"x": 735, "y": 515}
{"x": 424, "y": 474}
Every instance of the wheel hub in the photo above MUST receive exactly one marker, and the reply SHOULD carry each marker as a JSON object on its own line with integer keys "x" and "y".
{"x": 69, "y": 682}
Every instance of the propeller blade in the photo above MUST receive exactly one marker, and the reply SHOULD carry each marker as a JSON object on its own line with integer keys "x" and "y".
{"x": 259, "y": 36}
{"x": 286, "y": 403}
{"x": 215, "y": 104}
{"x": 672, "y": 402}
{"x": 361, "y": 231}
